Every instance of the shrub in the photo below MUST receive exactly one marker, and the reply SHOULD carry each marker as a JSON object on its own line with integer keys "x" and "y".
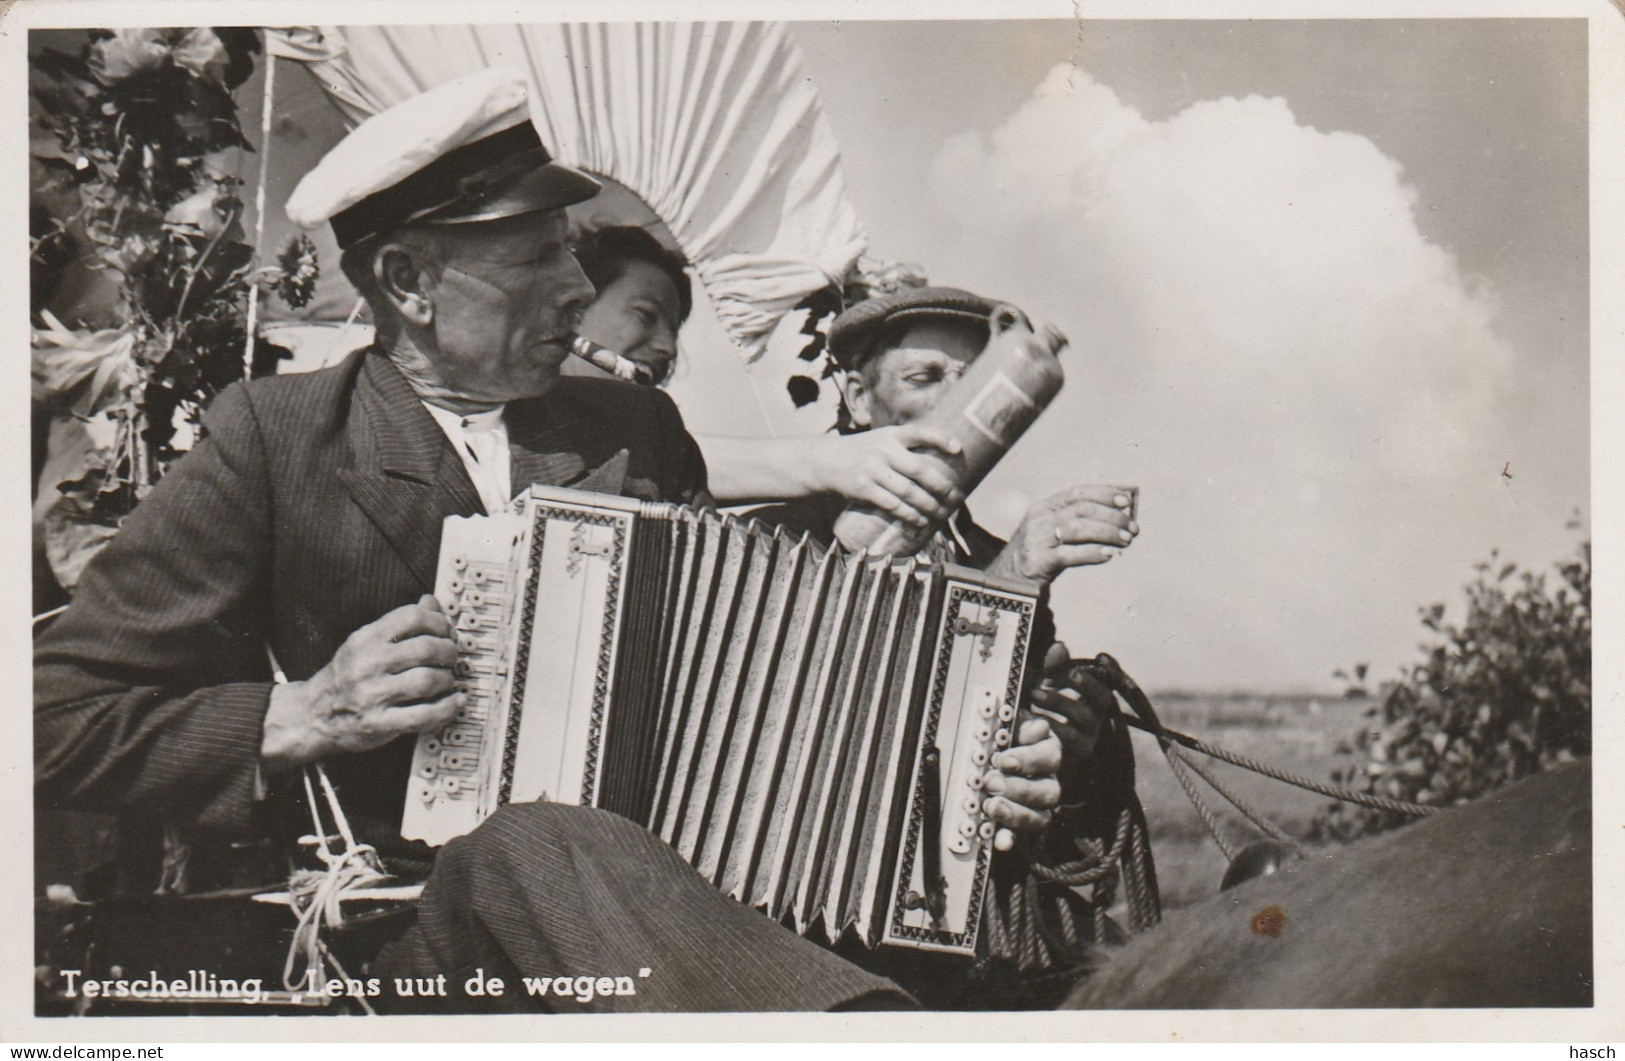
{"x": 1505, "y": 694}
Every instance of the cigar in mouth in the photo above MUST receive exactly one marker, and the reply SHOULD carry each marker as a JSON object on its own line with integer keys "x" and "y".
{"x": 618, "y": 365}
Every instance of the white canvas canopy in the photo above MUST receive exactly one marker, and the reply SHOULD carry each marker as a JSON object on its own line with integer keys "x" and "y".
{"x": 715, "y": 126}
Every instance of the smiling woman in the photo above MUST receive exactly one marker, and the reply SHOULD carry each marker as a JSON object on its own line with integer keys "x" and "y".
{"x": 644, "y": 295}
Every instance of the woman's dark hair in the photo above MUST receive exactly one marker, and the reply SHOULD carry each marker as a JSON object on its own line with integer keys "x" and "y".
{"x": 605, "y": 252}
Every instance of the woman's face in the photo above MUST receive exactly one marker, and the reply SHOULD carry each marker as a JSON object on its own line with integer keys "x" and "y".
{"x": 636, "y": 316}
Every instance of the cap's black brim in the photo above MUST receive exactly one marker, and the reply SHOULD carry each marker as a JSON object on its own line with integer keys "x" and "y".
{"x": 549, "y": 187}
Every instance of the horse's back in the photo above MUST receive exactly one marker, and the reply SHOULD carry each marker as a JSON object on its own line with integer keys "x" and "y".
{"x": 1485, "y": 905}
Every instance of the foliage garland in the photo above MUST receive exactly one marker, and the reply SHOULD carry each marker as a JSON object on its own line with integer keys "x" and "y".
{"x": 146, "y": 129}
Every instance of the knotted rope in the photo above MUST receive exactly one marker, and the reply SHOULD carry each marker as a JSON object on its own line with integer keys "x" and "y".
{"x": 317, "y": 894}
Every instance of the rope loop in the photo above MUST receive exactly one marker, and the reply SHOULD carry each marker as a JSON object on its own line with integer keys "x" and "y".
{"x": 317, "y": 895}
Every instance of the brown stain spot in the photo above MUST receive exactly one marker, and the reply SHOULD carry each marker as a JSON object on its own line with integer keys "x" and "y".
{"x": 1268, "y": 922}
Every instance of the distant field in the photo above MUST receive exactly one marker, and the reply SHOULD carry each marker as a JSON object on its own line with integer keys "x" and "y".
{"x": 1299, "y": 734}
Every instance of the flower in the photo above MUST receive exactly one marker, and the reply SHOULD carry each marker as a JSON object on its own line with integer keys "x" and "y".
{"x": 874, "y": 279}
{"x": 299, "y": 271}
{"x": 131, "y": 51}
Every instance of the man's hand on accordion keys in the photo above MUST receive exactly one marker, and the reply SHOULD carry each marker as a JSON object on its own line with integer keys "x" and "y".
{"x": 390, "y": 677}
{"x": 1023, "y": 788}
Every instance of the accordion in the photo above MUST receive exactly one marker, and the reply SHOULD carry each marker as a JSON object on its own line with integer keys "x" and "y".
{"x": 807, "y": 727}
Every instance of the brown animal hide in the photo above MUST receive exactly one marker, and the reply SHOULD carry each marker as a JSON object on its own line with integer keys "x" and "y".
{"x": 1485, "y": 905}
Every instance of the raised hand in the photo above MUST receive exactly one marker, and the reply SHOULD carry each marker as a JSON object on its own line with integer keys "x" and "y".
{"x": 893, "y": 469}
{"x": 1079, "y": 526}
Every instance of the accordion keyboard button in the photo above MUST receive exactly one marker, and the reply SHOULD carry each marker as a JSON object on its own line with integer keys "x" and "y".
{"x": 985, "y": 830}
{"x": 975, "y": 781}
{"x": 424, "y": 791}
{"x": 428, "y": 771}
{"x": 459, "y": 562}
{"x": 960, "y": 846}
{"x": 971, "y": 804}
{"x": 1006, "y": 712}
{"x": 979, "y": 756}
{"x": 1001, "y": 738}
{"x": 967, "y": 829}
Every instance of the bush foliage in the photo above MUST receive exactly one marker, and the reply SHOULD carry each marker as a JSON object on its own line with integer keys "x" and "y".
{"x": 1504, "y": 694}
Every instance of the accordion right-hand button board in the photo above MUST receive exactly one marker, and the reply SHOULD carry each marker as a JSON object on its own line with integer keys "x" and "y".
{"x": 970, "y": 713}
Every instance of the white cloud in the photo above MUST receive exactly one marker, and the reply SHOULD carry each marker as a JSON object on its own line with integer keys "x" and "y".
{"x": 1306, "y": 385}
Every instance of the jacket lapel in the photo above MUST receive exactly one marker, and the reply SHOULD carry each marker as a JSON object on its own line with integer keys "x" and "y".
{"x": 406, "y": 477}
{"x": 554, "y": 445}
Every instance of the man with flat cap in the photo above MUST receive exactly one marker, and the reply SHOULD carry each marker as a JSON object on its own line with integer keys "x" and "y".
{"x": 899, "y": 354}
{"x": 299, "y": 541}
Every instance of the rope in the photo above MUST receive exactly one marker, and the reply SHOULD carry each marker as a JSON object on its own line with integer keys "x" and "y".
{"x": 1145, "y": 898}
{"x": 1178, "y": 766}
{"x": 259, "y": 212}
{"x": 317, "y": 895}
{"x": 1269, "y": 828}
{"x": 1035, "y": 922}
{"x": 1367, "y": 799}
{"x": 1110, "y": 673}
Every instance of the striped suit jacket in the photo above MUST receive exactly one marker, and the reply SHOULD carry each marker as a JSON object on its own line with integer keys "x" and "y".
{"x": 312, "y": 507}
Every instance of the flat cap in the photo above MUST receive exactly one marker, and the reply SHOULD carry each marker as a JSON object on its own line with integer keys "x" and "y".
{"x": 853, "y": 334}
{"x": 461, "y": 152}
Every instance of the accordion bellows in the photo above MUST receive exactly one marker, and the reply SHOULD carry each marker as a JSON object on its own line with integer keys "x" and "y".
{"x": 808, "y": 728}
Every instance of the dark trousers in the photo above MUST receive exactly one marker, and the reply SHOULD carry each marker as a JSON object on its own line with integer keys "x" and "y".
{"x": 572, "y": 894}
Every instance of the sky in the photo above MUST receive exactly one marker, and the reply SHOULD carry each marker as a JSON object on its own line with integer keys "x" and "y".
{"x": 1325, "y": 282}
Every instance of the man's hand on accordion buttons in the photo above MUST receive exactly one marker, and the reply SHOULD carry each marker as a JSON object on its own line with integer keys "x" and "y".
{"x": 1022, "y": 787}
{"x": 390, "y": 677}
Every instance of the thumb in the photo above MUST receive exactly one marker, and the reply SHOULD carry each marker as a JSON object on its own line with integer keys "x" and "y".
{"x": 919, "y": 436}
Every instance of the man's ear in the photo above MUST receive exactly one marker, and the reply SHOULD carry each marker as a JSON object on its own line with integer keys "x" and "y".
{"x": 405, "y": 282}
{"x": 855, "y": 393}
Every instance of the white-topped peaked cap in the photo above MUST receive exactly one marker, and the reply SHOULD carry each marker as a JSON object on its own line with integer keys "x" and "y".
{"x": 463, "y": 151}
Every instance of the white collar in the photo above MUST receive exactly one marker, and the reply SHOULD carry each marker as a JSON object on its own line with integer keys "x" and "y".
{"x": 484, "y": 420}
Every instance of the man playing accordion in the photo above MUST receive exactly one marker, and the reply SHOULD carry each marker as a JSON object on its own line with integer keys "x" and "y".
{"x": 268, "y": 606}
